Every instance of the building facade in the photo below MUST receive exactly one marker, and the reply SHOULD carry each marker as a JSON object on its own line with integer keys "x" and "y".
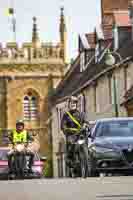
{"x": 28, "y": 75}
{"x": 99, "y": 87}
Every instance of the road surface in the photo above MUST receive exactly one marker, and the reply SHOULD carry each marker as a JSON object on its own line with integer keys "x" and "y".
{"x": 106, "y": 188}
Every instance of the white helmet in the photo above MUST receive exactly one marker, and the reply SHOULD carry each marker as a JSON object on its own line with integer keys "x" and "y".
{"x": 20, "y": 121}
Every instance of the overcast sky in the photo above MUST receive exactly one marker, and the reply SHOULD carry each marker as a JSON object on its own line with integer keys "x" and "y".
{"x": 81, "y": 17}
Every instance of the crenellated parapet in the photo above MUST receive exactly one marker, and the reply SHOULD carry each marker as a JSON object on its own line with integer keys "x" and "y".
{"x": 35, "y": 50}
{"x": 12, "y": 51}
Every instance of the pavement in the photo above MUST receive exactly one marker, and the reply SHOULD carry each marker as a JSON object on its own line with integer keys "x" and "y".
{"x": 101, "y": 188}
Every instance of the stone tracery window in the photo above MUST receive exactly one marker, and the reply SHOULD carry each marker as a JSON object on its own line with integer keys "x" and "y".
{"x": 30, "y": 107}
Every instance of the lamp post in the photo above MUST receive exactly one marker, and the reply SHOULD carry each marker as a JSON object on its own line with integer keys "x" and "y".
{"x": 110, "y": 60}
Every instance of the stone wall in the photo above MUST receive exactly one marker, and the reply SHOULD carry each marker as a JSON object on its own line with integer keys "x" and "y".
{"x": 105, "y": 96}
{"x": 3, "y": 102}
{"x": 102, "y": 106}
{"x": 57, "y": 137}
{"x": 16, "y": 90}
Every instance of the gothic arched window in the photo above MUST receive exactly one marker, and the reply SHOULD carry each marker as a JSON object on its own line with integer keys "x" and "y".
{"x": 30, "y": 107}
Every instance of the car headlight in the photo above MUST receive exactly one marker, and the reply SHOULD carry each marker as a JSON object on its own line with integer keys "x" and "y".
{"x": 99, "y": 149}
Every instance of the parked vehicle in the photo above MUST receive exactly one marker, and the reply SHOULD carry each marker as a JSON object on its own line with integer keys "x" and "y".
{"x": 37, "y": 166}
{"x": 111, "y": 146}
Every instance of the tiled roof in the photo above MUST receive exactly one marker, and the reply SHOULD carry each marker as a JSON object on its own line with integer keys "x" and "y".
{"x": 108, "y": 19}
{"x": 109, "y": 5}
{"x": 74, "y": 68}
{"x": 76, "y": 80}
{"x": 107, "y": 32}
{"x": 104, "y": 32}
{"x": 121, "y": 18}
{"x": 91, "y": 38}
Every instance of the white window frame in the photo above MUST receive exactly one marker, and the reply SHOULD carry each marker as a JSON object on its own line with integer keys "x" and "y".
{"x": 30, "y": 109}
{"x": 82, "y": 61}
{"x": 96, "y": 52}
{"x": 81, "y": 103}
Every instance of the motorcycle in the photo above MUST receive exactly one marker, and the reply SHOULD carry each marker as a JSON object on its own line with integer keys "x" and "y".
{"x": 19, "y": 162}
{"x": 79, "y": 162}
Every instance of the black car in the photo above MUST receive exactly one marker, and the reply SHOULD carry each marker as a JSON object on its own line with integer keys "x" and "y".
{"x": 111, "y": 146}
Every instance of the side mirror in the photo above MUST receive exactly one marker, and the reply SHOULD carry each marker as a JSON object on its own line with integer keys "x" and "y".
{"x": 43, "y": 158}
{"x": 89, "y": 133}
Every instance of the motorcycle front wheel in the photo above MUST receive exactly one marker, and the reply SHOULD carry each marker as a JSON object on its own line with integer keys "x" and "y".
{"x": 83, "y": 156}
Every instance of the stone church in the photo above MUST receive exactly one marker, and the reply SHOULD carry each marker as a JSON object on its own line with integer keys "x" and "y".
{"x": 28, "y": 75}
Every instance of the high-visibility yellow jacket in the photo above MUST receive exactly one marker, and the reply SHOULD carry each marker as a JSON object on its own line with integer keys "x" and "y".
{"x": 19, "y": 137}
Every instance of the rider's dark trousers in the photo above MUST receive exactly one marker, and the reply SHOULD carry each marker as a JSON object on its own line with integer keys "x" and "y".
{"x": 69, "y": 149}
{"x": 10, "y": 161}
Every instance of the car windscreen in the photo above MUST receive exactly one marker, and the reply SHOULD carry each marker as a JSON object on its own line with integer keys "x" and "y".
{"x": 3, "y": 154}
{"x": 122, "y": 128}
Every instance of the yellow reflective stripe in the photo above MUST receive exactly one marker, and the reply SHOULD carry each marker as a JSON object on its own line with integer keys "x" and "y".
{"x": 72, "y": 129}
{"x": 74, "y": 120}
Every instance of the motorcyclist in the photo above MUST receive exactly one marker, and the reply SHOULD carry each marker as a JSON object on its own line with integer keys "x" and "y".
{"x": 71, "y": 124}
{"x": 20, "y": 135}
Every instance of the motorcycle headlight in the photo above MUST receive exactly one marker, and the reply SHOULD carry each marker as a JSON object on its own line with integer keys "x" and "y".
{"x": 19, "y": 147}
{"x": 81, "y": 141}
